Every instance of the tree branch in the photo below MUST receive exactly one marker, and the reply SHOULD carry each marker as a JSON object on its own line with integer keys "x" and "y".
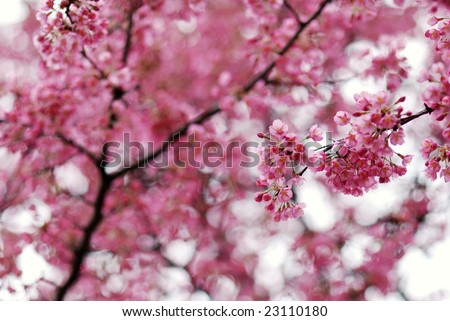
{"x": 107, "y": 179}
{"x": 92, "y": 62}
{"x": 126, "y": 49}
{"x": 73, "y": 144}
{"x": 174, "y": 137}
{"x": 216, "y": 109}
{"x": 403, "y": 294}
{"x": 84, "y": 246}
{"x": 294, "y": 12}
{"x": 263, "y": 74}
{"x": 67, "y": 12}
{"x": 426, "y": 111}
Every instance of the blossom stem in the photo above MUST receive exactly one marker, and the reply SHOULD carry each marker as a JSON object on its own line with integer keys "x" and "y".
{"x": 406, "y": 120}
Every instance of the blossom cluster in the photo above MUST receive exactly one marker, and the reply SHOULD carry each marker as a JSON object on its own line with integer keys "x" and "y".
{"x": 280, "y": 157}
{"x": 391, "y": 66}
{"x": 440, "y": 36}
{"x": 264, "y": 11}
{"x": 67, "y": 26}
{"x": 438, "y": 159}
{"x": 352, "y": 165}
{"x": 437, "y": 96}
{"x": 365, "y": 157}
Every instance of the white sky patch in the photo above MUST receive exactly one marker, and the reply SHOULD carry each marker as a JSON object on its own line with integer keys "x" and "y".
{"x": 103, "y": 263}
{"x": 356, "y": 86}
{"x": 416, "y": 51}
{"x": 8, "y": 160}
{"x": 180, "y": 252}
{"x": 188, "y": 26}
{"x": 427, "y": 274}
{"x": 12, "y": 11}
{"x": 32, "y": 265}
{"x": 354, "y": 251}
{"x": 249, "y": 32}
{"x": 26, "y": 218}
{"x": 175, "y": 282}
{"x": 271, "y": 279}
{"x": 269, "y": 271}
{"x": 274, "y": 255}
{"x": 70, "y": 177}
{"x": 319, "y": 214}
{"x": 17, "y": 220}
{"x": 226, "y": 289}
{"x": 7, "y": 101}
{"x": 376, "y": 203}
{"x": 199, "y": 296}
{"x": 247, "y": 210}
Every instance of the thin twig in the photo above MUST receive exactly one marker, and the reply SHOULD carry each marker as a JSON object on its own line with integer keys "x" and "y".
{"x": 265, "y": 73}
{"x": 403, "y": 295}
{"x": 74, "y": 144}
{"x": 426, "y": 111}
{"x": 127, "y": 47}
{"x": 67, "y": 12}
{"x": 92, "y": 62}
{"x": 294, "y": 12}
{"x": 174, "y": 137}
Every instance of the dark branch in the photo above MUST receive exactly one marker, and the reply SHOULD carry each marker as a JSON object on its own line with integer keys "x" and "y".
{"x": 282, "y": 83}
{"x": 294, "y": 12}
{"x": 67, "y": 12}
{"x": 302, "y": 171}
{"x": 73, "y": 144}
{"x": 403, "y": 295}
{"x": 127, "y": 47}
{"x": 293, "y": 83}
{"x": 174, "y": 137}
{"x": 92, "y": 62}
{"x": 265, "y": 73}
{"x": 426, "y": 111}
{"x": 84, "y": 246}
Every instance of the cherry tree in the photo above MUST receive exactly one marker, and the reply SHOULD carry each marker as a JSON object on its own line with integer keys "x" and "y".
{"x": 156, "y": 149}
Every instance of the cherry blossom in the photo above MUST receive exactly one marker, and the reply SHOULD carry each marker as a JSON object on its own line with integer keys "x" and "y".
{"x": 279, "y": 159}
{"x": 105, "y": 107}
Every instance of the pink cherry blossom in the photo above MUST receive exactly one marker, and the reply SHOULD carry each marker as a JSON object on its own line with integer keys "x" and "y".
{"x": 315, "y": 133}
{"x": 278, "y": 128}
{"x": 285, "y": 194}
{"x": 445, "y": 173}
{"x": 397, "y": 137}
{"x": 342, "y": 118}
{"x": 433, "y": 168}
{"x": 446, "y": 133}
{"x": 428, "y": 146}
{"x": 433, "y": 21}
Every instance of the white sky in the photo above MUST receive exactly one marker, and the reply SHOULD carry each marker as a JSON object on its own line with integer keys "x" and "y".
{"x": 12, "y": 11}
{"x": 424, "y": 273}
